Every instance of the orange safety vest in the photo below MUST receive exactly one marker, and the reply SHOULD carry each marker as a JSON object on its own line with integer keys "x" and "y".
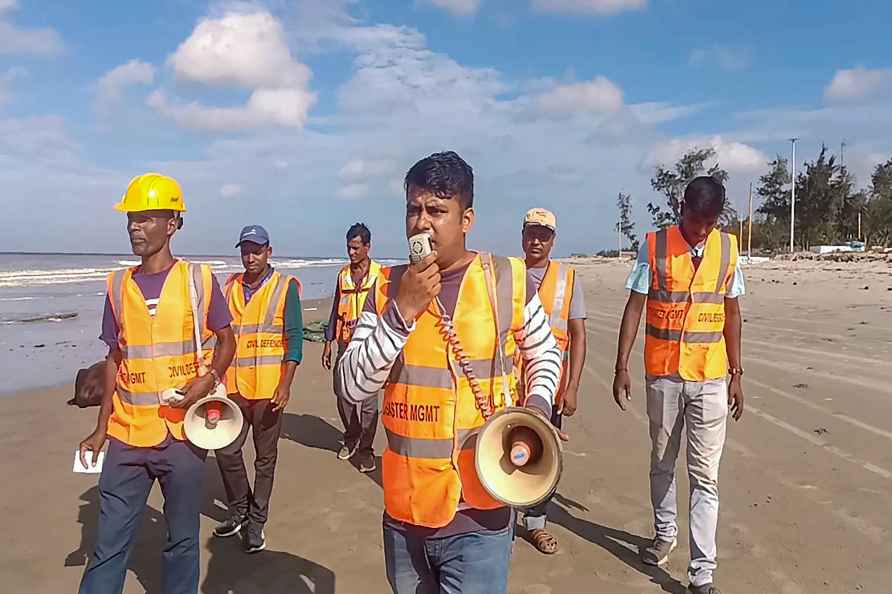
{"x": 259, "y": 328}
{"x": 429, "y": 413}
{"x": 158, "y": 352}
{"x": 352, "y": 300}
{"x": 686, "y": 308}
{"x": 555, "y": 292}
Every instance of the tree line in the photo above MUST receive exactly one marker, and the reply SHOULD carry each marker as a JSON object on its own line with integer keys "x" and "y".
{"x": 830, "y": 208}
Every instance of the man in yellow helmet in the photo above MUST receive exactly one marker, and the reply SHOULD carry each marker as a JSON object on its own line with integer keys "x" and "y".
{"x": 148, "y": 326}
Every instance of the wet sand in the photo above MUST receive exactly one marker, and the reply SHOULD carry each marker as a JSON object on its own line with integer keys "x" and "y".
{"x": 805, "y": 479}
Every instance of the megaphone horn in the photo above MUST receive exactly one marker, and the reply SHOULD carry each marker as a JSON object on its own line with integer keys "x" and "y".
{"x": 213, "y": 422}
{"x": 518, "y": 457}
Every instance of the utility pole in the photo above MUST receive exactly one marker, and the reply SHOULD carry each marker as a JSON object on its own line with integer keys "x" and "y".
{"x": 619, "y": 240}
{"x": 793, "y": 192}
{"x": 619, "y": 232}
{"x": 842, "y": 153}
{"x": 749, "y": 242}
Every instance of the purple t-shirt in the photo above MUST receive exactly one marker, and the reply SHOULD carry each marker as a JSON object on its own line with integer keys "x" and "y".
{"x": 150, "y": 285}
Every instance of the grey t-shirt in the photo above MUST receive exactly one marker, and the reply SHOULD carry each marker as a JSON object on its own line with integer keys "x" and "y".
{"x": 577, "y": 299}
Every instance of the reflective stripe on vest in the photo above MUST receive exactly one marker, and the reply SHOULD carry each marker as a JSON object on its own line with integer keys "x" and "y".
{"x": 352, "y": 300}
{"x": 429, "y": 412}
{"x": 259, "y": 327}
{"x": 158, "y": 352}
{"x": 555, "y": 293}
{"x": 685, "y": 307}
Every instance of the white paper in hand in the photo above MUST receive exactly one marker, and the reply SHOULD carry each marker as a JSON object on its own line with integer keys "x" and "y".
{"x": 89, "y": 468}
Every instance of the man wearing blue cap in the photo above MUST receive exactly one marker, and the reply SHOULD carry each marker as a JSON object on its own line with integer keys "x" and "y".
{"x": 268, "y": 325}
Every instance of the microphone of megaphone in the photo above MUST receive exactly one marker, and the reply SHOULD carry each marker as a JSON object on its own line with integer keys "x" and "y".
{"x": 213, "y": 422}
{"x": 518, "y": 457}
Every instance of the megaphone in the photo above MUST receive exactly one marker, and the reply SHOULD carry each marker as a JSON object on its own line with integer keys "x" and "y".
{"x": 518, "y": 457}
{"x": 214, "y": 421}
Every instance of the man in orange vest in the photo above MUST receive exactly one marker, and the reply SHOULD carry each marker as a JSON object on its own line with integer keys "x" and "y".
{"x": 688, "y": 277}
{"x": 148, "y": 325}
{"x": 268, "y": 324}
{"x": 355, "y": 281}
{"x": 564, "y": 303}
{"x": 439, "y": 335}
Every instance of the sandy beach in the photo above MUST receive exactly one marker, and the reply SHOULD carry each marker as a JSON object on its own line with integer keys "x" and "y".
{"x": 805, "y": 479}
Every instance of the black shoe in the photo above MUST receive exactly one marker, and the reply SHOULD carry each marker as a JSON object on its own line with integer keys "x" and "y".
{"x": 230, "y": 527}
{"x": 367, "y": 463}
{"x": 254, "y": 539}
{"x": 704, "y": 589}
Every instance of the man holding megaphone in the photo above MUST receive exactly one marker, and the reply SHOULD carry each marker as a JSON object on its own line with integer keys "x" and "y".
{"x": 439, "y": 336}
{"x": 153, "y": 375}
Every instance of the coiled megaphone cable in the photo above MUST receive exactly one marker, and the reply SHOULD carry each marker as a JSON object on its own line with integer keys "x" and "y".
{"x": 447, "y": 329}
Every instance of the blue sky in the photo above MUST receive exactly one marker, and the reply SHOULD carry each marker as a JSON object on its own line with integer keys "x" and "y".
{"x": 303, "y": 115}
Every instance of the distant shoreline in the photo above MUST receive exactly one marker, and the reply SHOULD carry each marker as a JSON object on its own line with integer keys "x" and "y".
{"x": 187, "y": 256}
{"x": 130, "y": 255}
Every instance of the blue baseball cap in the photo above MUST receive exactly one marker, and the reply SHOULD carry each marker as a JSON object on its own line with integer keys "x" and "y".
{"x": 254, "y": 234}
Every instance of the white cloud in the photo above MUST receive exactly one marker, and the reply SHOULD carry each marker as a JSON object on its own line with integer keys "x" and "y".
{"x": 361, "y": 169}
{"x": 230, "y": 190}
{"x": 729, "y": 59}
{"x": 733, "y": 156}
{"x": 265, "y": 107}
{"x": 353, "y": 191}
{"x": 15, "y": 40}
{"x": 600, "y": 7}
{"x": 246, "y": 50}
{"x": 6, "y": 78}
{"x": 658, "y": 112}
{"x": 358, "y": 175}
{"x": 35, "y": 142}
{"x": 599, "y": 95}
{"x": 859, "y": 83}
{"x": 112, "y": 84}
{"x": 457, "y": 7}
{"x": 395, "y": 72}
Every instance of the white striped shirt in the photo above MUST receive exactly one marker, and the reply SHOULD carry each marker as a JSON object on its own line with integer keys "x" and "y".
{"x": 377, "y": 341}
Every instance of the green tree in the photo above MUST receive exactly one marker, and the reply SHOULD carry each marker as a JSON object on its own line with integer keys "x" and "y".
{"x": 773, "y": 226}
{"x": 824, "y": 207}
{"x": 774, "y": 191}
{"x": 671, "y": 183}
{"x": 878, "y": 210}
{"x": 626, "y": 225}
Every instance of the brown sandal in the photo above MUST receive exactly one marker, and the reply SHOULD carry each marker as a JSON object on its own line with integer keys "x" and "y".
{"x": 544, "y": 541}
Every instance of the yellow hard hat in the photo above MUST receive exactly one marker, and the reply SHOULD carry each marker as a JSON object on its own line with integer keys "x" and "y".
{"x": 152, "y": 191}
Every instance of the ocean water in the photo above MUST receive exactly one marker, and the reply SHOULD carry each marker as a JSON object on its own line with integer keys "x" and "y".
{"x": 51, "y": 307}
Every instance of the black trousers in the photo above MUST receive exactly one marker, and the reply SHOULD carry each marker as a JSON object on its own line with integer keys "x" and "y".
{"x": 266, "y": 425}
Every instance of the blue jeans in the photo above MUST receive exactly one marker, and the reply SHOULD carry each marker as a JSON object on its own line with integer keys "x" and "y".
{"x": 471, "y": 563}
{"x": 128, "y": 474}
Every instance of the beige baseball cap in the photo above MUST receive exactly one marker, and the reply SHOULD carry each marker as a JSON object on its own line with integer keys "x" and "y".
{"x": 541, "y": 217}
